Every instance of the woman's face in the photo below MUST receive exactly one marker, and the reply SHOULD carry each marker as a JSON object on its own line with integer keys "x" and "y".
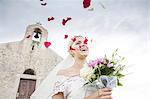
{"x": 80, "y": 47}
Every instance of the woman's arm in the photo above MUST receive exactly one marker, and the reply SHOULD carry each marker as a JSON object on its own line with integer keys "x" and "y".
{"x": 104, "y": 93}
{"x": 60, "y": 95}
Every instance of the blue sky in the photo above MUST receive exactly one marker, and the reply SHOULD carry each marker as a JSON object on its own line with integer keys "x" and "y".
{"x": 124, "y": 24}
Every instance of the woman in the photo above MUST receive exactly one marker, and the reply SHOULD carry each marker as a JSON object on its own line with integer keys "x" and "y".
{"x": 68, "y": 83}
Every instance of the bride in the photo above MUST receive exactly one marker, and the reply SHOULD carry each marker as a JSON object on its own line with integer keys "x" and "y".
{"x": 65, "y": 82}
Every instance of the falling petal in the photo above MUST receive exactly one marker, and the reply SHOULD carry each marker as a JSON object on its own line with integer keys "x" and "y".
{"x": 47, "y": 44}
{"x": 66, "y": 36}
{"x": 71, "y": 48}
{"x": 86, "y": 3}
{"x": 65, "y": 21}
{"x": 44, "y": 4}
{"x": 85, "y": 41}
{"x": 69, "y": 18}
{"x": 74, "y": 39}
{"x": 51, "y": 18}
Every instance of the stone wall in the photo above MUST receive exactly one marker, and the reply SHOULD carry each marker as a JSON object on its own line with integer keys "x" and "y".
{"x": 15, "y": 58}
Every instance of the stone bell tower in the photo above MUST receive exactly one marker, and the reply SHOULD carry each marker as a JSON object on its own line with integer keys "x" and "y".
{"x": 36, "y": 35}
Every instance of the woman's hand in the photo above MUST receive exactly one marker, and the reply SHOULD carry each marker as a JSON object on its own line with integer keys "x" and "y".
{"x": 59, "y": 95}
{"x": 104, "y": 93}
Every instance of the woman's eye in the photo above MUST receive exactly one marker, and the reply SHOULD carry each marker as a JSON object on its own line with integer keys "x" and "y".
{"x": 77, "y": 43}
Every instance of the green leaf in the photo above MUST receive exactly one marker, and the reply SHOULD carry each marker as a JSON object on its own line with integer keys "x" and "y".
{"x": 106, "y": 70}
{"x": 120, "y": 75}
{"x": 123, "y": 58}
{"x": 117, "y": 50}
{"x": 119, "y": 84}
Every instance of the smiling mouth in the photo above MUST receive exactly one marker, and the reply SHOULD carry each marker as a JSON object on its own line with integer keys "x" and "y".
{"x": 83, "y": 50}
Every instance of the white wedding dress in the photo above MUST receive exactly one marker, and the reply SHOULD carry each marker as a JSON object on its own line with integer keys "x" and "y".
{"x": 68, "y": 85}
{"x": 73, "y": 87}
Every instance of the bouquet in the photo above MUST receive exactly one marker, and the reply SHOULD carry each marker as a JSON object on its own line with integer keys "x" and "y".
{"x": 104, "y": 72}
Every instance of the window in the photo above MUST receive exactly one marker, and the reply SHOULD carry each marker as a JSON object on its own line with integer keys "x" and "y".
{"x": 29, "y": 72}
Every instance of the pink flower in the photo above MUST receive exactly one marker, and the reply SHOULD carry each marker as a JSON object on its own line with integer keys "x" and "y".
{"x": 100, "y": 60}
{"x": 92, "y": 63}
{"x": 110, "y": 65}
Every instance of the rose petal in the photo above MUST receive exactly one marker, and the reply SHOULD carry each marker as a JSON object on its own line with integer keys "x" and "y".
{"x": 71, "y": 48}
{"x": 66, "y": 36}
{"x": 51, "y": 18}
{"x": 65, "y": 21}
{"x": 85, "y": 41}
{"x": 47, "y": 44}
{"x": 86, "y": 3}
{"x": 74, "y": 39}
{"x": 69, "y": 18}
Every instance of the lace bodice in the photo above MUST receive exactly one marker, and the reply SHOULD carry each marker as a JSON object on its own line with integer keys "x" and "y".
{"x": 67, "y": 84}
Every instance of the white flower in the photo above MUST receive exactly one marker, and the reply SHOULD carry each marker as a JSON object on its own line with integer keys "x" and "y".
{"x": 86, "y": 72}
